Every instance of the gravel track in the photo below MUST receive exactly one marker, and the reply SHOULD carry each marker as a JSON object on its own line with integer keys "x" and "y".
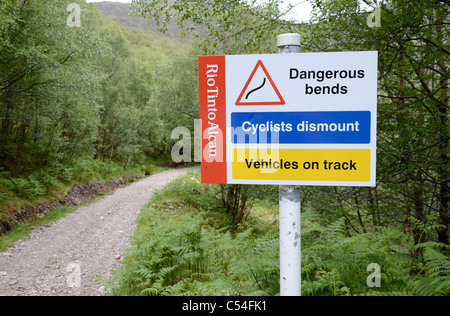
{"x": 76, "y": 254}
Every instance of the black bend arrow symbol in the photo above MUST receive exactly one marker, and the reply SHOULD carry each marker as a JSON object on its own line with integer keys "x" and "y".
{"x": 248, "y": 94}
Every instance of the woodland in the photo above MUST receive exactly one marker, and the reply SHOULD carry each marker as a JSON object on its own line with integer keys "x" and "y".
{"x": 101, "y": 100}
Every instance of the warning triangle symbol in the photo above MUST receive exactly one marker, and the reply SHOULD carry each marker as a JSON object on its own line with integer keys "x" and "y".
{"x": 260, "y": 89}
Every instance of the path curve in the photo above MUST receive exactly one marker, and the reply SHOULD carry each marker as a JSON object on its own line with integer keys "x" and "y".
{"x": 67, "y": 257}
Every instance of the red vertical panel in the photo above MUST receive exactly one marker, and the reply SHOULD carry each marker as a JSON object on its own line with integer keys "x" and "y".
{"x": 213, "y": 118}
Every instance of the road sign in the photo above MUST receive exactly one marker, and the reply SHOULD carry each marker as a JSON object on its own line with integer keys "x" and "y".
{"x": 289, "y": 119}
{"x": 256, "y": 92}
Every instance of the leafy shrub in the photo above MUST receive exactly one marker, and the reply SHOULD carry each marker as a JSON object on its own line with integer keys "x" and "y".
{"x": 50, "y": 182}
{"x": 3, "y": 195}
{"x": 26, "y": 188}
{"x": 238, "y": 199}
{"x": 4, "y": 184}
{"x": 87, "y": 168}
{"x": 65, "y": 174}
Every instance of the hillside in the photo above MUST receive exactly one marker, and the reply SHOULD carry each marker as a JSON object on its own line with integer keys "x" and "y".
{"x": 121, "y": 13}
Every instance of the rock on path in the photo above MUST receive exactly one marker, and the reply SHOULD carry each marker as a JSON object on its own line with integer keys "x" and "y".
{"x": 73, "y": 255}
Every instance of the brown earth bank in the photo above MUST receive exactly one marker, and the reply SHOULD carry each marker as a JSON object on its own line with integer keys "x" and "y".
{"x": 78, "y": 194}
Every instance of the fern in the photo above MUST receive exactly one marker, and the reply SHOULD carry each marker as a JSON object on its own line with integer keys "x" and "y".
{"x": 259, "y": 265}
{"x": 438, "y": 270}
{"x": 3, "y": 195}
{"x": 330, "y": 252}
{"x": 327, "y": 283}
{"x": 26, "y": 188}
{"x": 178, "y": 256}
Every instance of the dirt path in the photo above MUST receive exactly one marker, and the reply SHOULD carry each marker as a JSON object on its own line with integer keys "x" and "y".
{"x": 68, "y": 257}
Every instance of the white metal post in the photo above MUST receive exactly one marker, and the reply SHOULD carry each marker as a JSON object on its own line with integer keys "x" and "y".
{"x": 290, "y": 242}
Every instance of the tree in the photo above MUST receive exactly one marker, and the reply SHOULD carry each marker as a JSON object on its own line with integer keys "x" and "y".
{"x": 48, "y": 85}
{"x": 413, "y": 100}
{"x": 226, "y": 26}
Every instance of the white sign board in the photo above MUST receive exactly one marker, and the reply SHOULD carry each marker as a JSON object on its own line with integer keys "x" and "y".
{"x": 289, "y": 119}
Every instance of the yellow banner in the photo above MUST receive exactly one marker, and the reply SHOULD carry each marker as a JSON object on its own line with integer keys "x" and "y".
{"x": 302, "y": 164}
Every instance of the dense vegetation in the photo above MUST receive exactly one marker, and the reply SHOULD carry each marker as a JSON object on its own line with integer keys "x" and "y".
{"x": 102, "y": 99}
{"x": 76, "y": 103}
{"x": 185, "y": 245}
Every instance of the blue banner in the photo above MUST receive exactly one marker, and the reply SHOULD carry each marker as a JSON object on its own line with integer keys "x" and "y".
{"x": 333, "y": 127}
